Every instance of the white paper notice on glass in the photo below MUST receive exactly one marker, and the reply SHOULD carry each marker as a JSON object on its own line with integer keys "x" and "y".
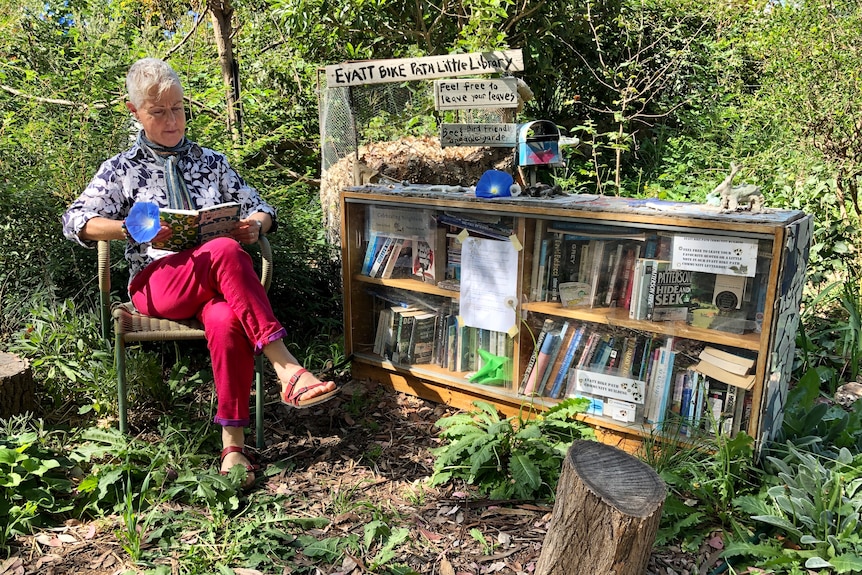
{"x": 715, "y": 254}
{"x": 489, "y": 270}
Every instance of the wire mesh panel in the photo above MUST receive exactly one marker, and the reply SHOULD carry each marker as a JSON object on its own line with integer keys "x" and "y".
{"x": 354, "y": 118}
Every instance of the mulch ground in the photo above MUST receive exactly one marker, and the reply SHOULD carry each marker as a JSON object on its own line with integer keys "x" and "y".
{"x": 381, "y": 456}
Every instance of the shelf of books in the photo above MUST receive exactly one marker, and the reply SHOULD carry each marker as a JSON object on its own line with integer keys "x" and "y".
{"x": 670, "y": 318}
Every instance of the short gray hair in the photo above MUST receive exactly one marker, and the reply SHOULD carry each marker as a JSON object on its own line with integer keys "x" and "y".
{"x": 149, "y": 78}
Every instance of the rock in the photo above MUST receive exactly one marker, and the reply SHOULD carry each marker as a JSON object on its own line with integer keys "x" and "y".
{"x": 848, "y": 394}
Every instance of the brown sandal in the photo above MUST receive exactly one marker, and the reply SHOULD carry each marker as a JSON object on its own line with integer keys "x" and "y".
{"x": 252, "y": 460}
{"x": 290, "y": 396}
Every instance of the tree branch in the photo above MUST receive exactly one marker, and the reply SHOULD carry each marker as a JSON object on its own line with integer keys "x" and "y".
{"x": 198, "y": 21}
{"x": 59, "y": 102}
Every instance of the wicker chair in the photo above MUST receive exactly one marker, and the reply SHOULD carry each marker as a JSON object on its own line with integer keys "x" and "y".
{"x": 131, "y": 326}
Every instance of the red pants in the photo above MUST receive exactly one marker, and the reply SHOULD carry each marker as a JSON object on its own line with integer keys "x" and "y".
{"x": 217, "y": 284}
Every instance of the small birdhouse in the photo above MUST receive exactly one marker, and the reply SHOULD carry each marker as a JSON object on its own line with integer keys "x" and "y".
{"x": 538, "y": 143}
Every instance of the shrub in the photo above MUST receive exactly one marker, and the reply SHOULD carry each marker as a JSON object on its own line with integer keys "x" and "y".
{"x": 512, "y": 457}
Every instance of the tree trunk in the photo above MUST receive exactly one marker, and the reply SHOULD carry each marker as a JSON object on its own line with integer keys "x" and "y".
{"x": 16, "y": 386}
{"x": 222, "y": 15}
{"x": 606, "y": 514}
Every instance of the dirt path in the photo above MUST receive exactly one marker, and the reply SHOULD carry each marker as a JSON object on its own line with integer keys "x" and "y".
{"x": 369, "y": 448}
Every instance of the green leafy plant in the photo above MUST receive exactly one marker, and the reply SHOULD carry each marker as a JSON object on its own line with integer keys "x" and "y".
{"x": 511, "y": 457}
{"x": 136, "y": 518}
{"x": 818, "y": 426}
{"x": 816, "y": 507}
{"x": 385, "y": 539}
{"x": 703, "y": 486}
{"x": 33, "y": 484}
{"x": 69, "y": 355}
{"x": 487, "y": 546}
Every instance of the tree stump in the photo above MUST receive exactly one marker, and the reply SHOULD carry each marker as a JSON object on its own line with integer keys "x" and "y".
{"x": 16, "y": 386}
{"x": 606, "y": 514}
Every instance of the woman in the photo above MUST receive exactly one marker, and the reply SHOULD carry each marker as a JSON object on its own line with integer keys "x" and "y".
{"x": 215, "y": 281}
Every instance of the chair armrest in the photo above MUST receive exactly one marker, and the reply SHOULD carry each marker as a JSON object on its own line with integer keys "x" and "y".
{"x": 104, "y": 256}
{"x": 266, "y": 262}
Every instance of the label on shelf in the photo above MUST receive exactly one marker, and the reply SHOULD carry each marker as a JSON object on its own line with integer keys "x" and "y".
{"x": 610, "y": 386}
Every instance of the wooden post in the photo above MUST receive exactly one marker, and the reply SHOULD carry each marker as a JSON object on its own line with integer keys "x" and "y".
{"x": 606, "y": 514}
{"x": 16, "y": 386}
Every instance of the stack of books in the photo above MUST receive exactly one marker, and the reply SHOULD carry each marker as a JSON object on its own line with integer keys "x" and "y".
{"x": 728, "y": 377}
{"x": 726, "y": 367}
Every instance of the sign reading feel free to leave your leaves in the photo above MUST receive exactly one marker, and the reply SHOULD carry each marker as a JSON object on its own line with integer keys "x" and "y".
{"x": 425, "y": 68}
{"x": 476, "y": 93}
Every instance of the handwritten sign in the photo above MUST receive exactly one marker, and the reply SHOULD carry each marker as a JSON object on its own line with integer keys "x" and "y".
{"x": 492, "y": 135}
{"x": 425, "y": 68}
{"x": 715, "y": 255}
{"x": 475, "y": 93}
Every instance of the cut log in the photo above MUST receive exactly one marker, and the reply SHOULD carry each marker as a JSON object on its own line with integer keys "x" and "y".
{"x": 17, "y": 393}
{"x": 606, "y": 514}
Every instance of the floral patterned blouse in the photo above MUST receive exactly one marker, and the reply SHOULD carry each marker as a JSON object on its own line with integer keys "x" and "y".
{"x": 137, "y": 176}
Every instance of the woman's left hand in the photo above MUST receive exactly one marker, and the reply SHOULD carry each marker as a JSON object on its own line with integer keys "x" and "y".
{"x": 247, "y": 231}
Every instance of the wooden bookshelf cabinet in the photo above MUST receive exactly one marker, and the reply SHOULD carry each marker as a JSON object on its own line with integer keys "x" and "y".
{"x": 764, "y": 332}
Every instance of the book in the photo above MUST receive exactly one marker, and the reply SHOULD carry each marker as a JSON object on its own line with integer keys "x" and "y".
{"x": 491, "y": 230}
{"x": 589, "y": 347}
{"x": 440, "y": 335}
{"x": 698, "y": 399}
{"x": 628, "y": 356}
{"x": 643, "y": 277}
{"x": 370, "y": 252}
{"x": 559, "y": 338}
{"x": 560, "y": 378}
{"x": 421, "y": 347}
{"x": 542, "y": 292}
{"x": 451, "y": 342}
{"x": 616, "y": 265}
{"x": 572, "y": 250}
{"x": 666, "y": 374}
{"x": 727, "y": 361}
{"x": 637, "y": 275}
{"x": 537, "y": 255}
{"x": 403, "y": 331}
{"x": 672, "y": 297}
{"x": 686, "y": 401}
{"x": 595, "y": 273}
{"x": 626, "y": 287}
{"x": 711, "y": 370}
{"x": 194, "y": 227}
{"x": 556, "y": 260}
{"x": 542, "y": 361}
{"x": 389, "y": 337}
{"x": 547, "y": 326}
{"x": 392, "y": 258}
{"x": 660, "y": 384}
{"x": 384, "y": 320}
{"x": 676, "y": 397}
{"x": 670, "y": 293}
{"x": 429, "y": 256}
{"x": 381, "y": 256}
{"x": 603, "y": 357}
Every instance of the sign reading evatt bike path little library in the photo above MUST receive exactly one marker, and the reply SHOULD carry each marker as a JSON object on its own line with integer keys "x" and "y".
{"x": 424, "y": 68}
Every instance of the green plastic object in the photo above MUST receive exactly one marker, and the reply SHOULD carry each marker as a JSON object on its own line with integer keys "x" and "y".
{"x": 493, "y": 371}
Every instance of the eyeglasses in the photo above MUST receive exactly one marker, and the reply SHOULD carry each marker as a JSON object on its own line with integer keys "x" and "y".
{"x": 162, "y": 113}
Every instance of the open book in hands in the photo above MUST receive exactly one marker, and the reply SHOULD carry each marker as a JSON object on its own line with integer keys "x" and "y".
{"x": 194, "y": 227}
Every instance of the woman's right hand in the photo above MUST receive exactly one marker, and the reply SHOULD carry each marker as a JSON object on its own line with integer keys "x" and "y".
{"x": 165, "y": 232}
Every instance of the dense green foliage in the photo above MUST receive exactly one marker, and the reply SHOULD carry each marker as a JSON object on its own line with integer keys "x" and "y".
{"x": 663, "y": 95}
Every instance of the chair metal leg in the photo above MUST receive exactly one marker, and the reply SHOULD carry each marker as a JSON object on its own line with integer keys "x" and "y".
{"x": 258, "y": 401}
{"x": 120, "y": 361}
